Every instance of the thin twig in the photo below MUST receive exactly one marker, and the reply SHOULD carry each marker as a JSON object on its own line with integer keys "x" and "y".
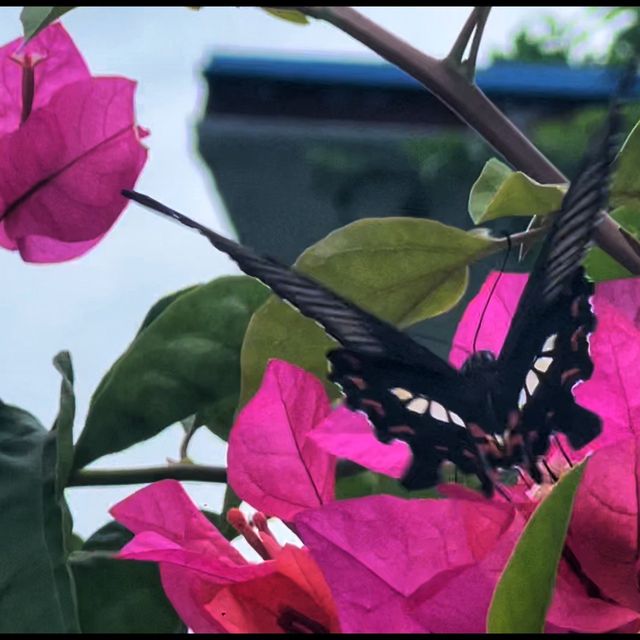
{"x": 189, "y": 431}
{"x": 460, "y": 45}
{"x": 473, "y": 27}
{"x": 470, "y": 63}
{"x": 466, "y": 100}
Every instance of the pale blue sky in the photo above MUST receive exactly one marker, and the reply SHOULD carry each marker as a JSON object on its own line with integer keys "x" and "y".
{"x": 93, "y": 306}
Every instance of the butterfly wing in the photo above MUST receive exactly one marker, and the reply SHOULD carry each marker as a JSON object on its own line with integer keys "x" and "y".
{"x": 546, "y": 349}
{"x": 432, "y": 401}
{"x": 412, "y": 403}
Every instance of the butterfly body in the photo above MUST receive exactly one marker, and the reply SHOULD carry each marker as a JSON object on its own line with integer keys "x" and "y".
{"x": 499, "y": 410}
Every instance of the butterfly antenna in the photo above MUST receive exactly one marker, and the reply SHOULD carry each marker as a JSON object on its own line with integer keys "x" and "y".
{"x": 493, "y": 288}
{"x": 552, "y": 475}
{"x": 564, "y": 453}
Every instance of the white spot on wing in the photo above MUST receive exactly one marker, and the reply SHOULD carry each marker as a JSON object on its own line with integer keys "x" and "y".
{"x": 542, "y": 364}
{"x": 549, "y": 343}
{"x": 531, "y": 382}
{"x": 418, "y": 405}
{"x": 457, "y": 419}
{"x": 522, "y": 399}
{"x": 438, "y": 412}
{"x": 401, "y": 394}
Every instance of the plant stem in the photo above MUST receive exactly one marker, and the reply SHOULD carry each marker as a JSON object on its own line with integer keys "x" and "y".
{"x": 183, "y": 472}
{"x": 473, "y": 107}
{"x": 95, "y": 477}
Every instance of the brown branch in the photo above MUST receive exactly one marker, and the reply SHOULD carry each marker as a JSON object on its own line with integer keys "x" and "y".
{"x": 474, "y": 108}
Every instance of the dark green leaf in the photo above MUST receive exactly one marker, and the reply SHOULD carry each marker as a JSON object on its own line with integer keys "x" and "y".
{"x": 64, "y": 421}
{"x": 186, "y": 361}
{"x": 35, "y": 19}
{"x": 500, "y": 192}
{"x": 119, "y": 596}
{"x": 160, "y": 306}
{"x": 523, "y": 595}
{"x": 290, "y": 15}
{"x": 36, "y": 586}
{"x": 401, "y": 269}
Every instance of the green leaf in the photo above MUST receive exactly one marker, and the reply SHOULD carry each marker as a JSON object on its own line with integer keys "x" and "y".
{"x": 500, "y": 192}
{"x": 523, "y": 594}
{"x": 186, "y": 361}
{"x": 36, "y": 586}
{"x": 368, "y": 483}
{"x": 401, "y": 269}
{"x": 159, "y": 307}
{"x": 64, "y": 421}
{"x": 290, "y": 15}
{"x": 601, "y": 266}
{"x": 119, "y": 596}
{"x": 625, "y": 185}
{"x": 35, "y": 19}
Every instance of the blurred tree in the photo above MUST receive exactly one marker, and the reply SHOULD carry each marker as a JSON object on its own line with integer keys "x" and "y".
{"x": 549, "y": 40}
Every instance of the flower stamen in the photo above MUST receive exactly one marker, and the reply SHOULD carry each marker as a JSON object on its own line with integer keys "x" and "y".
{"x": 28, "y": 62}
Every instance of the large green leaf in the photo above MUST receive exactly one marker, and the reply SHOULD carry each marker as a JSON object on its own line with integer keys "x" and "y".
{"x": 35, "y": 19}
{"x": 36, "y": 586}
{"x": 499, "y": 192}
{"x": 119, "y": 596}
{"x": 401, "y": 269}
{"x": 187, "y": 360}
{"x": 523, "y": 594}
{"x": 157, "y": 309}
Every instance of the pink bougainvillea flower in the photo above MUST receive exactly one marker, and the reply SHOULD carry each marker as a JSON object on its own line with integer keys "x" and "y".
{"x": 431, "y": 566}
{"x": 604, "y": 529}
{"x": 68, "y": 146}
{"x": 271, "y": 462}
{"x": 378, "y": 552}
{"x": 210, "y": 584}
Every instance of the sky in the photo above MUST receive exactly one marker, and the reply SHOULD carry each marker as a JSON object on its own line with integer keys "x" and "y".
{"x": 92, "y": 306}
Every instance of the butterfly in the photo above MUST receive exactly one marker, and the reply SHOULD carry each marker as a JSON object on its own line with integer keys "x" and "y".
{"x": 497, "y": 411}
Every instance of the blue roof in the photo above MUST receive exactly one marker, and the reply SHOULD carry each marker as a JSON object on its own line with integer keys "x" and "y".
{"x": 512, "y": 78}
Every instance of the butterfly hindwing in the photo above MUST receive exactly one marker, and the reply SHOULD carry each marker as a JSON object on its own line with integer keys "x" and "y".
{"x": 413, "y": 404}
{"x": 546, "y": 402}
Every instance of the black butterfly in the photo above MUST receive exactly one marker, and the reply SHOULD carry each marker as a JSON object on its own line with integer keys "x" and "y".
{"x": 495, "y": 412}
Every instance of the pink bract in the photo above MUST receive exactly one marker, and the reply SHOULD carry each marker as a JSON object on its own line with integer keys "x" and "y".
{"x": 272, "y": 464}
{"x": 64, "y": 166}
{"x": 211, "y": 586}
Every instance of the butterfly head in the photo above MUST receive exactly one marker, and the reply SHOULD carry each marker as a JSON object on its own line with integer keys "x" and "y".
{"x": 479, "y": 361}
